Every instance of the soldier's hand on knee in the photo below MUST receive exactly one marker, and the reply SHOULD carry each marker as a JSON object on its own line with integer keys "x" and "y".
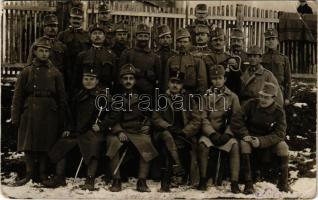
{"x": 66, "y": 133}
{"x": 95, "y": 127}
{"x": 122, "y": 137}
{"x": 248, "y": 138}
{"x": 255, "y": 142}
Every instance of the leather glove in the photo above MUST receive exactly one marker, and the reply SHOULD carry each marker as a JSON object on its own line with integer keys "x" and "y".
{"x": 215, "y": 138}
{"x": 224, "y": 138}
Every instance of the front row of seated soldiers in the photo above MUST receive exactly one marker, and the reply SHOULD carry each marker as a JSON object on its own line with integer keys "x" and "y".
{"x": 260, "y": 124}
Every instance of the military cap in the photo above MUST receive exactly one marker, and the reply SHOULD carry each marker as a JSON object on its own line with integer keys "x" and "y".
{"x": 237, "y": 33}
{"x": 50, "y": 19}
{"x": 216, "y": 70}
{"x": 90, "y": 71}
{"x": 217, "y": 32}
{"x": 142, "y": 28}
{"x": 96, "y": 26}
{"x": 127, "y": 69}
{"x": 43, "y": 42}
{"x": 120, "y": 27}
{"x": 182, "y": 33}
{"x": 103, "y": 8}
{"x": 201, "y": 28}
{"x": 254, "y": 50}
{"x": 269, "y": 89}
{"x": 201, "y": 8}
{"x": 176, "y": 75}
{"x": 163, "y": 30}
{"x": 270, "y": 33}
{"x": 76, "y": 12}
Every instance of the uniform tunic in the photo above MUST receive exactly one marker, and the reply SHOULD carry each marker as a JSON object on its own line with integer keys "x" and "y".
{"x": 279, "y": 65}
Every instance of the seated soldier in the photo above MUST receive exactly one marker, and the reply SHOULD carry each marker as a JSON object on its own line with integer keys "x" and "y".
{"x": 175, "y": 126}
{"x": 261, "y": 126}
{"x": 87, "y": 129}
{"x": 220, "y": 104}
{"x": 131, "y": 131}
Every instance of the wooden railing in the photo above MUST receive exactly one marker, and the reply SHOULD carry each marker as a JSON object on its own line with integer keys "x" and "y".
{"x": 21, "y": 24}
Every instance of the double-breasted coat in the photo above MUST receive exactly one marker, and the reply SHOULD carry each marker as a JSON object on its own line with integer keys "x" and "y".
{"x": 38, "y": 106}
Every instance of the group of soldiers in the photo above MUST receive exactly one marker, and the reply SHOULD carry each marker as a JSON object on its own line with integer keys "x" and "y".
{"x": 54, "y": 104}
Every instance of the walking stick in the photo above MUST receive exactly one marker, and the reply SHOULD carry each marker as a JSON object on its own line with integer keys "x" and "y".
{"x": 80, "y": 164}
{"x": 120, "y": 161}
{"x": 217, "y": 168}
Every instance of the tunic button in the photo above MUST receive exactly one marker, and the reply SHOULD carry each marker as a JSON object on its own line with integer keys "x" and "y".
{"x": 34, "y": 86}
{"x": 38, "y": 68}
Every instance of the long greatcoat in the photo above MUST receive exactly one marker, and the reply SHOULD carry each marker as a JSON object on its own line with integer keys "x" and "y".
{"x": 217, "y": 114}
{"x": 85, "y": 115}
{"x": 38, "y": 106}
{"x": 136, "y": 125}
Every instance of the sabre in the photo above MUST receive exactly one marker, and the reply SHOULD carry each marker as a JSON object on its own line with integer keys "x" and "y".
{"x": 217, "y": 168}
{"x": 120, "y": 161}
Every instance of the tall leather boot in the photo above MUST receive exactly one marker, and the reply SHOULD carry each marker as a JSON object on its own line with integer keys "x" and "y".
{"x": 283, "y": 179}
{"x": 116, "y": 185}
{"x": 89, "y": 184}
{"x": 29, "y": 162}
{"x": 165, "y": 180}
{"x": 246, "y": 168}
{"x": 142, "y": 186}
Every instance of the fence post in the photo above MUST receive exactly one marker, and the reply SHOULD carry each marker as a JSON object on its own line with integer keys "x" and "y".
{"x": 239, "y": 16}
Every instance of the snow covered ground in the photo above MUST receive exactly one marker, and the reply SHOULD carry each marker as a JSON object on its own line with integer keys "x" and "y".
{"x": 303, "y": 188}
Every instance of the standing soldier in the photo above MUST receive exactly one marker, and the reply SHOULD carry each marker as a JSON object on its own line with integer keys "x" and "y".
{"x": 178, "y": 131}
{"x": 277, "y": 63}
{"x": 201, "y": 13}
{"x": 202, "y": 38}
{"x": 237, "y": 44}
{"x": 76, "y": 41}
{"x": 195, "y": 80}
{"x": 147, "y": 63}
{"x": 98, "y": 57}
{"x": 220, "y": 105}
{"x": 58, "y": 49}
{"x": 255, "y": 76}
{"x": 39, "y": 96}
{"x": 85, "y": 130}
{"x": 131, "y": 131}
{"x": 261, "y": 127}
{"x": 165, "y": 41}
{"x": 105, "y": 20}
{"x": 121, "y": 40}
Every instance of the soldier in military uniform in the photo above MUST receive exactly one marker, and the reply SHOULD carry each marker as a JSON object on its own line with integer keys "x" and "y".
{"x": 201, "y": 13}
{"x": 131, "y": 131}
{"x": 220, "y": 104}
{"x": 194, "y": 68}
{"x": 121, "y": 40}
{"x": 86, "y": 129}
{"x": 105, "y": 20}
{"x": 220, "y": 57}
{"x": 175, "y": 129}
{"x": 147, "y": 63}
{"x": 255, "y": 76}
{"x": 58, "y": 51}
{"x": 76, "y": 40}
{"x": 99, "y": 57}
{"x": 261, "y": 128}
{"x": 39, "y": 96}
{"x": 164, "y": 51}
{"x": 277, "y": 63}
{"x": 236, "y": 48}
{"x": 202, "y": 38}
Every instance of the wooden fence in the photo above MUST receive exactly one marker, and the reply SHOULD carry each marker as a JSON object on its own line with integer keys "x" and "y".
{"x": 21, "y": 24}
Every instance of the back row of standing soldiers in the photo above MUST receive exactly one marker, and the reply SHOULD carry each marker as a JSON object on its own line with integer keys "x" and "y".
{"x": 87, "y": 63}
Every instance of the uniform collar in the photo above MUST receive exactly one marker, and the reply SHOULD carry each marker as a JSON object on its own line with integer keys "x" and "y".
{"x": 75, "y": 30}
{"x": 218, "y": 51}
{"x": 202, "y": 48}
{"x": 38, "y": 63}
{"x": 223, "y": 90}
{"x": 97, "y": 47}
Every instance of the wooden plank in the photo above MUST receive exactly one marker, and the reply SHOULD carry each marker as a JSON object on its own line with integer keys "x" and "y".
{"x": 32, "y": 8}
